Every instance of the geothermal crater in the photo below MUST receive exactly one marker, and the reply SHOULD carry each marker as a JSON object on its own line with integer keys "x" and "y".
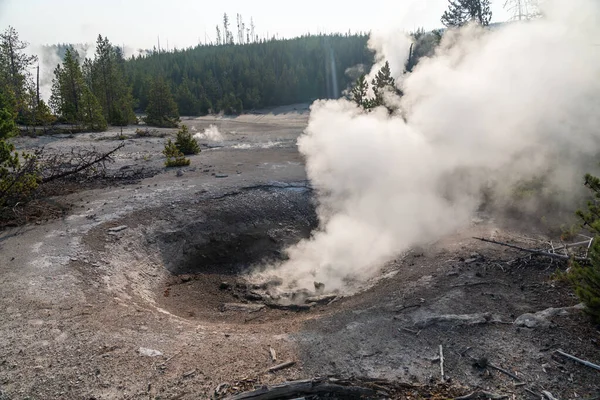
{"x": 213, "y": 247}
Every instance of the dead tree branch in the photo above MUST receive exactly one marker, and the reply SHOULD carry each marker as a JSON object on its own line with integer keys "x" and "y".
{"x": 579, "y": 360}
{"x": 533, "y": 251}
{"x": 60, "y": 166}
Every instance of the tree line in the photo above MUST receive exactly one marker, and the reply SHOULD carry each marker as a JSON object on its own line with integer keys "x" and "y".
{"x": 233, "y": 75}
{"x": 232, "y": 78}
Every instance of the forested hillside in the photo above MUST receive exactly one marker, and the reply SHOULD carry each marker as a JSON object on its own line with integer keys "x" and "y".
{"x": 233, "y": 78}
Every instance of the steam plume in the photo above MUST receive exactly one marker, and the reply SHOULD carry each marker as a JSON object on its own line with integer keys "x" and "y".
{"x": 211, "y": 133}
{"x": 490, "y": 109}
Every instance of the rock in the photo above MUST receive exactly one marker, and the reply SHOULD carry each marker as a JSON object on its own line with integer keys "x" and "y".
{"x": 253, "y": 296}
{"x": 117, "y": 229}
{"x": 179, "y": 172}
{"x": 224, "y": 286}
{"x": 541, "y": 319}
{"x": 242, "y": 307}
{"x": 470, "y": 260}
{"x": 453, "y": 320}
{"x": 149, "y": 352}
{"x": 221, "y": 175}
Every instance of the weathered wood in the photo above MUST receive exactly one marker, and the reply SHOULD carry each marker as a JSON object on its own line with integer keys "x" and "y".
{"x": 282, "y": 366}
{"x": 579, "y": 360}
{"x": 273, "y": 354}
{"x": 307, "y": 387}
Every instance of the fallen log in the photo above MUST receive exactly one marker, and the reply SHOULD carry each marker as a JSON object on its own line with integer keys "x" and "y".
{"x": 295, "y": 389}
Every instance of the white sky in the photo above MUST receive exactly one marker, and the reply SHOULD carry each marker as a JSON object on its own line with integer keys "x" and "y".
{"x": 137, "y": 23}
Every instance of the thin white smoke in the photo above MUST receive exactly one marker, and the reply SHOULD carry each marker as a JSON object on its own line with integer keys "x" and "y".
{"x": 492, "y": 107}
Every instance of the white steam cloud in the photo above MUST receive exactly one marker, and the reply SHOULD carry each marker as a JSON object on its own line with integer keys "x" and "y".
{"x": 49, "y": 57}
{"x": 490, "y": 109}
{"x": 211, "y": 133}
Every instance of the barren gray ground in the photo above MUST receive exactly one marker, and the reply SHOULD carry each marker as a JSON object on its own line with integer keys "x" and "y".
{"x": 80, "y": 301}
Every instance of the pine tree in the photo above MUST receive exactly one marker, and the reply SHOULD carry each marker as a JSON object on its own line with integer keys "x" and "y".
{"x": 186, "y": 143}
{"x": 359, "y": 92}
{"x": 15, "y": 183}
{"x": 162, "y": 109}
{"x": 7, "y": 119}
{"x": 462, "y": 11}
{"x": 586, "y": 278}
{"x": 14, "y": 70}
{"x": 72, "y": 99}
{"x": 90, "y": 113}
{"x": 383, "y": 83}
{"x": 66, "y": 88}
{"x": 175, "y": 158}
{"x": 187, "y": 104}
{"x": 108, "y": 83}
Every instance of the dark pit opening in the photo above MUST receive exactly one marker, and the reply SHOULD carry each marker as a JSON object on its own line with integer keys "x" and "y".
{"x": 229, "y": 234}
{"x": 209, "y": 248}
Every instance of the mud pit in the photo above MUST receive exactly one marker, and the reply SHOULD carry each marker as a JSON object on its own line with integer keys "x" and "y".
{"x": 82, "y": 303}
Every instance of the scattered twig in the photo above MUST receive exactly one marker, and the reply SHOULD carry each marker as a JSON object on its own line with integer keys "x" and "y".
{"x": 442, "y": 361}
{"x": 486, "y": 395}
{"x": 505, "y": 372}
{"x": 173, "y": 356}
{"x": 282, "y": 366}
{"x": 531, "y": 392}
{"x": 464, "y": 352}
{"x": 579, "y": 360}
{"x": 409, "y": 330}
{"x": 188, "y": 374}
{"x": 548, "y": 395}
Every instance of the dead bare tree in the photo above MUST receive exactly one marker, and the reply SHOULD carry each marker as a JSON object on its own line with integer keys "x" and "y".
{"x": 547, "y": 253}
{"x": 39, "y": 168}
{"x": 62, "y": 165}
